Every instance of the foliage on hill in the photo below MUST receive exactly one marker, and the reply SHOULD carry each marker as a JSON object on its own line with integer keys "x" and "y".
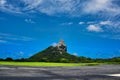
{"x": 52, "y": 54}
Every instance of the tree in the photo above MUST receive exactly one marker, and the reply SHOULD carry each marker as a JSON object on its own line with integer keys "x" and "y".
{"x": 1, "y": 59}
{"x": 64, "y": 60}
{"x": 8, "y": 59}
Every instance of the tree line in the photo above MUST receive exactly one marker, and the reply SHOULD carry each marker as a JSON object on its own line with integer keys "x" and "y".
{"x": 80, "y": 59}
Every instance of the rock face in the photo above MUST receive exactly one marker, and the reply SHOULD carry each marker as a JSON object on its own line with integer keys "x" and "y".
{"x": 61, "y": 46}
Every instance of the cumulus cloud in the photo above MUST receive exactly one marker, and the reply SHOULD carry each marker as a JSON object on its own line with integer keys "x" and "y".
{"x": 108, "y": 25}
{"x": 94, "y": 28}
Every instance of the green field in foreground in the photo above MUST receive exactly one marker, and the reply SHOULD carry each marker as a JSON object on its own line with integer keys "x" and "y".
{"x": 46, "y": 64}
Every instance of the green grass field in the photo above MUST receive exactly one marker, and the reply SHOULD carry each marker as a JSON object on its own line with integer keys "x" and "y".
{"x": 46, "y": 64}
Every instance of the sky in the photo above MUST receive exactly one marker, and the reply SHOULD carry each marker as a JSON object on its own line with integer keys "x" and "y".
{"x": 90, "y": 28}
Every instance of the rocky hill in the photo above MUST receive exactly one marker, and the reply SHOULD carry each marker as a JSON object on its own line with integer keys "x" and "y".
{"x": 56, "y": 53}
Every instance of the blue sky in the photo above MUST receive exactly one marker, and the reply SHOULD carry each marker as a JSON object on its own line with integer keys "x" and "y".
{"x": 89, "y": 28}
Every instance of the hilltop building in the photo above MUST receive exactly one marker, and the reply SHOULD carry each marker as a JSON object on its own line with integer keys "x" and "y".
{"x": 61, "y": 46}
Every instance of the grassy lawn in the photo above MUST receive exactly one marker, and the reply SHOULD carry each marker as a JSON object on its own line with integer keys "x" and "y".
{"x": 46, "y": 64}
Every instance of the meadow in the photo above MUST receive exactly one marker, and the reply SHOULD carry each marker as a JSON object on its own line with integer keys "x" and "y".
{"x": 45, "y": 64}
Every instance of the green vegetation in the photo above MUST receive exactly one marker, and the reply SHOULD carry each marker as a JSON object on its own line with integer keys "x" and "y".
{"x": 115, "y": 60}
{"x": 52, "y": 56}
{"x": 46, "y": 64}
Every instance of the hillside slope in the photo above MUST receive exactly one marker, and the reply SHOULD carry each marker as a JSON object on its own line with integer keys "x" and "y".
{"x": 53, "y": 54}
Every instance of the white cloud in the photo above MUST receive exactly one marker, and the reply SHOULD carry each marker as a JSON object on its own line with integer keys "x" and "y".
{"x": 32, "y": 4}
{"x": 105, "y": 22}
{"x": 5, "y": 36}
{"x": 54, "y": 44}
{"x": 112, "y": 36}
{"x": 21, "y": 53}
{"x": 6, "y": 6}
{"x": 94, "y": 6}
{"x": 70, "y": 23}
{"x": 91, "y": 22}
{"x": 67, "y": 7}
{"x": 2, "y": 2}
{"x": 94, "y": 28}
{"x": 67, "y": 23}
{"x": 57, "y": 7}
{"x": 81, "y": 23}
{"x": 111, "y": 26}
{"x": 29, "y": 21}
{"x": 106, "y": 9}
{"x": 108, "y": 25}
{"x": 48, "y": 7}
{"x": 99, "y": 6}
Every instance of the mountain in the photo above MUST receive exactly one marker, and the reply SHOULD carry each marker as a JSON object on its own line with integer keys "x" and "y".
{"x": 56, "y": 53}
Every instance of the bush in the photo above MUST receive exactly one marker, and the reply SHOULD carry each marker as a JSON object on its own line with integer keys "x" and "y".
{"x": 8, "y": 59}
{"x": 1, "y": 59}
{"x": 64, "y": 60}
